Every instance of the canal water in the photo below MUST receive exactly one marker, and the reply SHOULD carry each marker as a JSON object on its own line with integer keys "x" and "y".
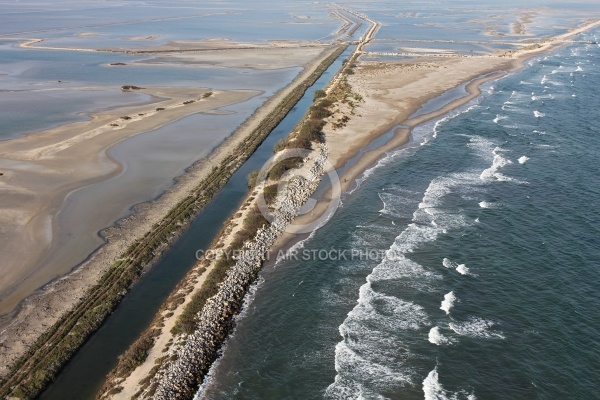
{"x": 84, "y": 374}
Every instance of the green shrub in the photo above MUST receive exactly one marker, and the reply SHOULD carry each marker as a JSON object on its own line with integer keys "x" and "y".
{"x": 281, "y": 144}
{"x": 319, "y": 112}
{"x": 252, "y": 176}
{"x": 281, "y": 167}
{"x": 270, "y": 193}
{"x": 318, "y": 94}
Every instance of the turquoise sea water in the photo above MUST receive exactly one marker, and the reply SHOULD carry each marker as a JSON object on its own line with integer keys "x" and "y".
{"x": 488, "y": 289}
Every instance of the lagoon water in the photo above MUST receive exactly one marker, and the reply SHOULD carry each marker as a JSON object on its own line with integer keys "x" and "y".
{"x": 488, "y": 290}
{"x": 489, "y": 217}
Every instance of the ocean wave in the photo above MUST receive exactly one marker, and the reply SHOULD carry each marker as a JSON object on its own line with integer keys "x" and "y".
{"x": 370, "y": 359}
{"x": 478, "y": 328}
{"x": 433, "y": 389}
{"x": 489, "y": 204}
{"x": 399, "y": 267}
{"x": 431, "y": 211}
{"x": 499, "y": 118}
{"x": 523, "y": 159}
{"x": 370, "y": 330}
{"x": 538, "y": 114}
{"x": 448, "y": 302}
{"x": 460, "y": 268}
{"x": 397, "y": 202}
{"x": 437, "y": 338}
{"x": 498, "y": 162}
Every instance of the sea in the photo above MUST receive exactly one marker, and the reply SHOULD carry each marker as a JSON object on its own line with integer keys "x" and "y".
{"x": 471, "y": 264}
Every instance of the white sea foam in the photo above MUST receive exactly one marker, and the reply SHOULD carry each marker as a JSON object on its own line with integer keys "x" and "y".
{"x": 369, "y": 356}
{"x": 497, "y": 163}
{"x": 297, "y": 246}
{"x": 538, "y": 114}
{"x": 499, "y": 118}
{"x": 579, "y": 69}
{"x": 396, "y": 202}
{"x": 399, "y": 267}
{"x": 484, "y": 204}
{"x": 462, "y": 269}
{"x": 433, "y": 389}
{"x": 478, "y": 328}
{"x": 448, "y": 302}
{"x": 436, "y": 337}
{"x": 448, "y": 264}
{"x": 489, "y": 204}
{"x": 523, "y": 159}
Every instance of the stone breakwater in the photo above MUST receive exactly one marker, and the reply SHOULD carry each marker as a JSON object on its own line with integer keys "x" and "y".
{"x": 180, "y": 379}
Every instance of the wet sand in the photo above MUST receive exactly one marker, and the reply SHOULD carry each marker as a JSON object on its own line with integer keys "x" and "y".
{"x": 40, "y": 170}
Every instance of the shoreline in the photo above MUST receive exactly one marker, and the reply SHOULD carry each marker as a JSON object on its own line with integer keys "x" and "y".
{"x": 404, "y": 127}
{"x": 124, "y": 387}
{"x": 66, "y": 291}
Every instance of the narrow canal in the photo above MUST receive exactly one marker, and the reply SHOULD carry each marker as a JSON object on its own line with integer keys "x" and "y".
{"x": 84, "y": 374}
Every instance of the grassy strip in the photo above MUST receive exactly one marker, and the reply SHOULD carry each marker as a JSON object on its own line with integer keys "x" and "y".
{"x": 36, "y": 369}
{"x": 186, "y": 321}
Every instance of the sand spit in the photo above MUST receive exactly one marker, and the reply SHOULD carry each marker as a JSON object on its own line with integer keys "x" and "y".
{"x": 383, "y": 96}
{"x": 60, "y": 296}
{"x": 393, "y": 91}
{"x": 268, "y": 58}
{"x": 179, "y": 46}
